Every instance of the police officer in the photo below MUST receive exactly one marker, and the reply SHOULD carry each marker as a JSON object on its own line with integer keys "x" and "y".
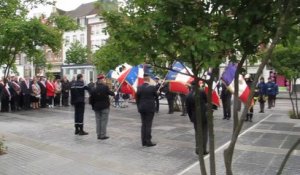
{"x": 145, "y": 99}
{"x": 191, "y": 110}
{"x": 78, "y": 100}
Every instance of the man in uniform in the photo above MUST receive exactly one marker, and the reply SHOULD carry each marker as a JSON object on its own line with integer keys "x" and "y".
{"x": 42, "y": 84}
{"x": 78, "y": 100}
{"x": 157, "y": 87}
{"x": 145, "y": 99}
{"x": 191, "y": 110}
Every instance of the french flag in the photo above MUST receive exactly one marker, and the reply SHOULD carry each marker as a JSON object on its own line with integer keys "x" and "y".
{"x": 228, "y": 79}
{"x": 130, "y": 79}
{"x": 178, "y": 81}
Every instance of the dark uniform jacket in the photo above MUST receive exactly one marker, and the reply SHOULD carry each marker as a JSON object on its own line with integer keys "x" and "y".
{"x": 42, "y": 87}
{"x": 77, "y": 92}
{"x": 191, "y": 106}
{"x": 99, "y": 97}
{"x": 145, "y": 98}
{"x": 25, "y": 88}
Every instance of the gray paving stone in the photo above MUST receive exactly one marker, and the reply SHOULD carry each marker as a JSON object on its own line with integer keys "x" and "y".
{"x": 262, "y": 159}
{"x": 273, "y": 143}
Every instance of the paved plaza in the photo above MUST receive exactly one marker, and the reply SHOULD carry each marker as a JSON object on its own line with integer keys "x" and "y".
{"x": 43, "y": 142}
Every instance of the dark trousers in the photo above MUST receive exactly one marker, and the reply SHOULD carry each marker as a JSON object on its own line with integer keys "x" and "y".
{"x": 65, "y": 99}
{"x": 156, "y": 104}
{"x": 79, "y": 113}
{"x": 57, "y": 99}
{"x": 204, "y": 136}
{"x": 226, "y": 108}
{"x": 171, "y": 105}
{"x": 26, "y": 101}
{"x": 12, "y": 104}
{"x": 147, "y": 118}
{"x": 262, "y": 106}
{"x": 250, "y": 114}
{"x": 271, "y": 101}
{"x": 182, "y": 99}
{"x": 16, "y": 100}
{"x": 43, "y": 100}
{"x": 4, "y": 104}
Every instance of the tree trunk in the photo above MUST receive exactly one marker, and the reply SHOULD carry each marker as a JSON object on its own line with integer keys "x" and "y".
{"x": 287, "y": 156}
{"x": 212, "y": 161}
{"x": 296, "y": 95}
{"x": 228, "y": 152}
{"x": 292, "y": 101}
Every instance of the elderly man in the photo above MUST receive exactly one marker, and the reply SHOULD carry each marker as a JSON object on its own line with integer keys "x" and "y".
{"x": 99, "y": 100}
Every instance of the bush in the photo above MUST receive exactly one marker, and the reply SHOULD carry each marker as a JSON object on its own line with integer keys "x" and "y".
{"x": 3, "y": 148}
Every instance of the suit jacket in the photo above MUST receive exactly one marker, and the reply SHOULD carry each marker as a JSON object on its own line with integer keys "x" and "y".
{"x": 145, "y": 98}
{"x": 26, "y": 88}
{"x": 99, "y": 97}
{"x": 43, "y": 87}
{"x": 191, "y": 106}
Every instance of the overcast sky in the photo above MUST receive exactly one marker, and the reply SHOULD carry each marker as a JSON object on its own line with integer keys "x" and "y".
{"x": 61, "y": 4}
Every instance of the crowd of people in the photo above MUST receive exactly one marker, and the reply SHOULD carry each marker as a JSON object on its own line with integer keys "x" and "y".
{"x": 39, "y": 92}
{"x": 18, "y": 93}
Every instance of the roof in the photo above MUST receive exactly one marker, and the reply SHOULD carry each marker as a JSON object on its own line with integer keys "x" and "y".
{"x": 81, "y": 11}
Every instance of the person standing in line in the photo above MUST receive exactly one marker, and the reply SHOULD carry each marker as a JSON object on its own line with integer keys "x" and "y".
{"x": 226, "y": 101}
{"x": 57, "y": 98}
{"x": 99, "y": 100}
{"x": 262, "y": 93}
{"x": 249, "y": 82}
{"x": 145, "y": 99}
{"x": 42, "y": 84}
{"x": 5, "y": 96}
{"x": 50, "y": 92}
{"x": 65, "y": 88}
{"x": 91, "y": 86}
{"x": 78, "y": 101}
{"x": 191, "y": 110}
{"x": 26, "y": 91}
{"x": 271, "y": 92}
{"x": 36, "y": 94}
{"x": 16, "y": 90}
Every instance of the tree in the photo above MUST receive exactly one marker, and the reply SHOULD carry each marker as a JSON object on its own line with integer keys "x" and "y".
{"x": 201, "y": 34}
{"x": 77, "y": 54}
{"x": 286, "y": 62}
{"x": 21, "y": 35}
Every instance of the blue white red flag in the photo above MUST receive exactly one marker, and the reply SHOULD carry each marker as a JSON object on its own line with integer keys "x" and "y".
{"x": 112, "y": 74}
{"x": 228, "y": 78}
{"x": 178, "y": 80}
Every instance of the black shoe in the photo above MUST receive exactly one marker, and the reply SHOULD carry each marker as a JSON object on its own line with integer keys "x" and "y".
{"x": 103, "y": 138}
{"x": 150, "y": 144}
{"x": 224, "y": 118}
{"x": 183, "y": 115}
{"x": 246, "y": 120}
{"x": 76, "y": 132}
{"x": 170, "y": 112}
{"x": 250, "y": 120}
{"x": 83, "y": 133}
{"x": 205, "y": 152}
{"x": 228, "y": 118}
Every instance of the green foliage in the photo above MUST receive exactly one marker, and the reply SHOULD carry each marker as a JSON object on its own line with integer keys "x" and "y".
{"x": 3, "y": 148}
{"x": 286, "y": 61}
{"x": 62, "y": 22}
{"x": 77, "y": 54}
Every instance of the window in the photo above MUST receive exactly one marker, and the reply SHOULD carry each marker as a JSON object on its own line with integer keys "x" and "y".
{"x": 67, "y": 40}
{"x": 82, "y": 39}
{"x": 74, "y": 38}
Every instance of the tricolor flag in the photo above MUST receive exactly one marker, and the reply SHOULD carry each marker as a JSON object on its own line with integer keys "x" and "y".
{"x": 112, "y": 74}
{"x": 178, "y": 81}
{"x": 228, "y": 78}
